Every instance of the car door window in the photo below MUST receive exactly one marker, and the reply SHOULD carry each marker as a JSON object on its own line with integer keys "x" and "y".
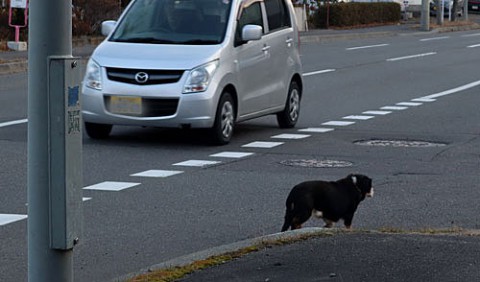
{"x": 251, "y": 14}
{"x": 277, "y": 14}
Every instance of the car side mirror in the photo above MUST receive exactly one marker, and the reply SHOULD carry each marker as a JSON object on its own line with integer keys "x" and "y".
{"x": 108, "y": 27}
{"x": 252, "y": 32}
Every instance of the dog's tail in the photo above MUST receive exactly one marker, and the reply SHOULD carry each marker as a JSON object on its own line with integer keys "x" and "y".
{"x": 288, "y": 215}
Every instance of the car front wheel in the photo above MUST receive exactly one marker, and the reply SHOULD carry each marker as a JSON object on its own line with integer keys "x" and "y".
{"x": 98, "y": 131}
{"x": 289, "y": 116}
{"x": 222, "y": 129}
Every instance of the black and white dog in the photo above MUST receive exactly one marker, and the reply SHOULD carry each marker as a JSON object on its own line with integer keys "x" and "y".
{"x": 331, "y": 201}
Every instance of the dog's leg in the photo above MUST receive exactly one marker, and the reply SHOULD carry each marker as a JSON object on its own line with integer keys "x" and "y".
{"x": 301, "y": 216}
{"x": 317, "y": 214}
{"x": 296, "y": 223}
{"x": 289, "y": 214}
{"x": 347, "y": 220}
{"x": 296, "y": 226}
{"x": 328, "y": 223}
{"x": 286, "y": 225}
{"x": 288, "y": 221}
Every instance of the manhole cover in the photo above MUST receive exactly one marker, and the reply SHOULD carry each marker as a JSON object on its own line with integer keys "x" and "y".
{"x": 399, "y": 143}
{"x": 317, "y": 163}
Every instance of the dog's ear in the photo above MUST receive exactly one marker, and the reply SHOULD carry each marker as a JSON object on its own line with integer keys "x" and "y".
{"x": 353, "y": 177}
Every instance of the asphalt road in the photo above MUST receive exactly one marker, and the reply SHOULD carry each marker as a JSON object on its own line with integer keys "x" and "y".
{"x": 408, "y": 88}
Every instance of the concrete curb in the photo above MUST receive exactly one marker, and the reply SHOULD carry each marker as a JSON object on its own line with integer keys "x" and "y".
{"x": 233, "y": 247}
{"x": 13, "y": 67}
{"x": 85, "y": 40}
{"x": 321, "y": 38}
{"x": 22, "y": 66}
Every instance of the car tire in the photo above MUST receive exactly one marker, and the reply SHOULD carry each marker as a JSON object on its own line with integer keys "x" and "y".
{"x": 289, "y": 116}
{"x": 98, "y": 131}
{"x": 222, "y": 130}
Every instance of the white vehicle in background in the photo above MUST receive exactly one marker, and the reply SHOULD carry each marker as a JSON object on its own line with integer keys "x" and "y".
{"x": 195, "y": 64}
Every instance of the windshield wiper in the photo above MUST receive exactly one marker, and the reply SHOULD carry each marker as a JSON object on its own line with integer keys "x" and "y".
{"x": 200, "y": 42}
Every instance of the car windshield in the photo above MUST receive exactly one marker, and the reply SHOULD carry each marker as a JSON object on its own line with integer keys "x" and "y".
{"x": 195, "y": 22}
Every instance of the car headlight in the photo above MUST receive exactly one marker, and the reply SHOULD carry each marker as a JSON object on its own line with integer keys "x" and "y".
{"x": 93, "y": 75}
{"x": 199, "y": 78}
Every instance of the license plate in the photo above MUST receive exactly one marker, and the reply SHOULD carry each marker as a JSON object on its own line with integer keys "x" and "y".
{"x": 474, "y": 7}
{"x": 126, "y": 105}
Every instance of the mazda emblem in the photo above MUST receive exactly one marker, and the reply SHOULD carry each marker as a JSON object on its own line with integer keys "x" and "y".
{"x": 141, "y": 77}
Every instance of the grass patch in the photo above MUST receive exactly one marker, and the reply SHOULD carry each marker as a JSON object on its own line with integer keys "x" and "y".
{"x": 174, "y": 273}
{"x": 454, "y": 230}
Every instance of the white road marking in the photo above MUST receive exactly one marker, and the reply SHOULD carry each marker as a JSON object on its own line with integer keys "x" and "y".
{"x": 411, "y": 56}
{"x": 380, "y": 113}
{"x": 316, "y": 129}
{"x": 233, "y": 155}
{"x": 86, "y": 199}
{"x": 473, "y": 46}
{"x": 291, "y": 136}
{"x": 111, "y": 186}
{"x": 452, "y": 91}
{"x": 434, "y": 38}
{"x": 157, "y": 173}
{"x": 358, "y": 117}
{"x": 10, "y": 218}
{"x": 338, "y": 123}
{"x": 14, "y": 122}
{"x": 394, "y": 108}
{"x": 409, "y": 104}
{"x": 425, "y": 100}
{"x": 197, "y": 163}
{"x": 365, "y": 47}
{"x": 318, "y": 72}
{"x": 260, "y": 144}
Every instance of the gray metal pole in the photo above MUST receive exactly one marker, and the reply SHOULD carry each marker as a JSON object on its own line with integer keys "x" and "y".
{"x": 50, "y": 33}
{"x": 425, "y": 20}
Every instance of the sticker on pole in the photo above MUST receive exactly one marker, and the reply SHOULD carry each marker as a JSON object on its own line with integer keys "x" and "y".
{"x": 73, "y": 111}
{"x": 22, "y": 4}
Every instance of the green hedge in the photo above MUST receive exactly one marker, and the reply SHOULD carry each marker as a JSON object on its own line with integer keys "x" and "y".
{"x": 354, "y": 14}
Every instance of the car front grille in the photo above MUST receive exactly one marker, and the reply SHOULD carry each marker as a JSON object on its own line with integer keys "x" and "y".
{"x": 154, "y": 76}
{"x": 151, "y": 107}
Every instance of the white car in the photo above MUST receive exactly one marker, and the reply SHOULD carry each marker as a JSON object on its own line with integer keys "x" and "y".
{"x": 195, "y": 64}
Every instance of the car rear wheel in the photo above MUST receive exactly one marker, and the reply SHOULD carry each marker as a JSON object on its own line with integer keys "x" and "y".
{"x": 98, "y": 131}
{"x": 222, "y": 130}
{"x": 289, "y": 116}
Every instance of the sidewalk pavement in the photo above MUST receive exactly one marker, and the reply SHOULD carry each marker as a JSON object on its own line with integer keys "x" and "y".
{"x": 16, "y": 61}
{"x": 318, "y": 254}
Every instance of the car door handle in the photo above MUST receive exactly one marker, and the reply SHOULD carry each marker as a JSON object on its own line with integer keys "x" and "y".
{"x": 289, "y": 42}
